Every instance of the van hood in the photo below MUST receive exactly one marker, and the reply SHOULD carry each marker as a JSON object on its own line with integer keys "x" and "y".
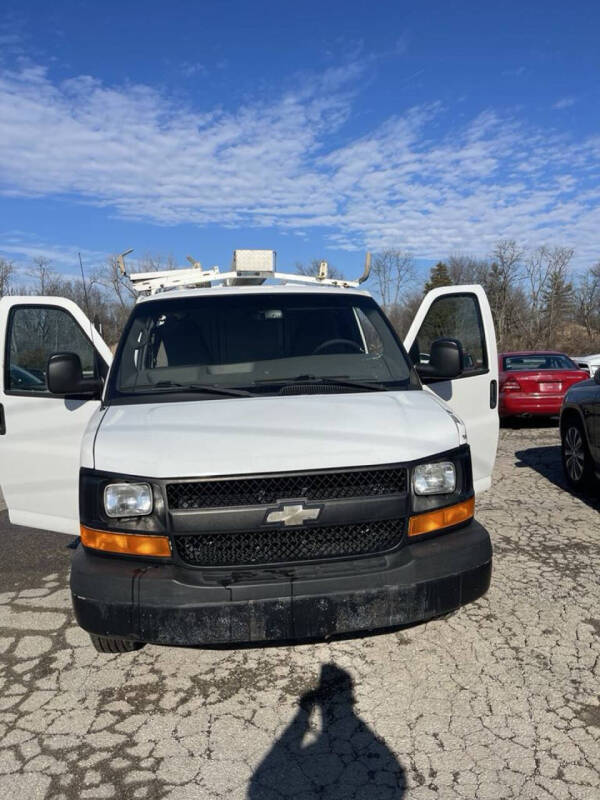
{"x": 199, "y": 438}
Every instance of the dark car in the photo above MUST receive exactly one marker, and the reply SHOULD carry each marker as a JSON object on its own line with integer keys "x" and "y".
{"x": 580, "y": 432}
{"x": 533, "y": 383}
{"x": 26, "y": 379}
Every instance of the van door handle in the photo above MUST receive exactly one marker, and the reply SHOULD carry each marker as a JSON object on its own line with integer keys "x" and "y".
{"x": 493, "y": 393}
{"x": 2, "y": 421}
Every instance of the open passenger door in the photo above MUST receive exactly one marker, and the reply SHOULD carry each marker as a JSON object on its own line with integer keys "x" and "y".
{"x": 463, "y": 313}
{"x": 41, "y": 433}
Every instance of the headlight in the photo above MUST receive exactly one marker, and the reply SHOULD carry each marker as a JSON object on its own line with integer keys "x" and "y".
{"x": 128, "y": 499}
{"x": 438, "y": 478}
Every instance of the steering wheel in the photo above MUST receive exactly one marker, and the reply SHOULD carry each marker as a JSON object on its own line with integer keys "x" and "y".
{"x": 336, "y": 342}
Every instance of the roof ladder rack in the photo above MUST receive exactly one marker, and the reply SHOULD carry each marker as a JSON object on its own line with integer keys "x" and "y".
{"x": 249, "y": 268}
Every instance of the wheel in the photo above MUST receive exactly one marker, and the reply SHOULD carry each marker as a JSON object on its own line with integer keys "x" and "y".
{"x": 108, "y": 644}
{"x": 577, "y": 463}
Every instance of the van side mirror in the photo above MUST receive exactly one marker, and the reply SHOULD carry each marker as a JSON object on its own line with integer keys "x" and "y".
{"x": 446, "y": 360}
{"x": 65, "y": 376}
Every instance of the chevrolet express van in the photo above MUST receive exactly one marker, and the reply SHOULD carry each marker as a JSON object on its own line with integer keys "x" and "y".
{"x": 262, "y": 459}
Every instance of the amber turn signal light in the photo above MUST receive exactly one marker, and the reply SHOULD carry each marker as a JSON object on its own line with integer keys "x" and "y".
{"x": 131, "y": 544}
{"x": 432, "y": 521}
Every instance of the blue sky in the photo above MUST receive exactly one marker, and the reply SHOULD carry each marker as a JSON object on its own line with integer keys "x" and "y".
{"x": 314, "y": 128}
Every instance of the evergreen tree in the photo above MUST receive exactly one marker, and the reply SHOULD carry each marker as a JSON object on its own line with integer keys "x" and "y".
{"x": 438, "y": 276}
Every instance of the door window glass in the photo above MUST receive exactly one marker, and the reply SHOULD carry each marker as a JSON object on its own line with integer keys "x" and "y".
{"x": 35, "y": 333}
{"x": 456, "y": 317}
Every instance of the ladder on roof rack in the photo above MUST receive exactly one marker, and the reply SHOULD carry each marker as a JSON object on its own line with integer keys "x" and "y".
{"x": 249, "y": 268}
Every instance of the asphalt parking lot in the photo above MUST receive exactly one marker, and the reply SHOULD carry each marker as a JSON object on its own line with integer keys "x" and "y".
{"x": 499, "y": 700}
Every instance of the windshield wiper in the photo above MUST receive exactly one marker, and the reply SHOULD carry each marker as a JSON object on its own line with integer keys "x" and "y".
{"x": 198, "y": 388}
{"x": 317, "y": 379}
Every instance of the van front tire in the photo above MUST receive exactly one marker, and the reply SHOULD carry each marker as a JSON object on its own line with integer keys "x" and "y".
{"x": 106, "y": 644}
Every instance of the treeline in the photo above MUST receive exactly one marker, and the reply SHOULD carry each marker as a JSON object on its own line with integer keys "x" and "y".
{"x": 538, "y": 300}
{"x": 107, "y": 296}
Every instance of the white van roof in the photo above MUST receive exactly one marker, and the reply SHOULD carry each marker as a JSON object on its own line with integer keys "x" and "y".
{"x": 265, "y": 288}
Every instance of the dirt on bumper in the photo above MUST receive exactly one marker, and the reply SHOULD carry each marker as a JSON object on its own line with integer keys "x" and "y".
{"x": 154, "y": 604}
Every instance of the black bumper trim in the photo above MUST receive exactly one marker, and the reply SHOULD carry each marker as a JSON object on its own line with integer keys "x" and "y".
{"x": 151, "y": 604}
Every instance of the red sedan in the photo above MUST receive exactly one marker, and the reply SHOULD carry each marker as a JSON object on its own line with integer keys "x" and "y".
{"x": 535, "y": 382}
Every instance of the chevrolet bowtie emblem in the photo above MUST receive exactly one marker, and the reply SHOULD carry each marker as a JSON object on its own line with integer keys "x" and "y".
{"x": 293, "y": 515}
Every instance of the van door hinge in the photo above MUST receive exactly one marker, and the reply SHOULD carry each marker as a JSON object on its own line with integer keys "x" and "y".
{"x": 2, "y": 421}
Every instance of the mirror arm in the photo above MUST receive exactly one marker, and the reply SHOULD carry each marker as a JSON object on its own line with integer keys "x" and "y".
{"x": 426, "y": 371}
{"x": 91, "y": 387}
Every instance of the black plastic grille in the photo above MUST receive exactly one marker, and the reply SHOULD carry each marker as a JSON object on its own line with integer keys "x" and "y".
{"x": 292, "y": 544}
{"x": 310, "y": 486}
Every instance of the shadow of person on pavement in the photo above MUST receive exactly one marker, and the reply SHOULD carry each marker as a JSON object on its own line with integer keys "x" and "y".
{"x": 340, "y": 759}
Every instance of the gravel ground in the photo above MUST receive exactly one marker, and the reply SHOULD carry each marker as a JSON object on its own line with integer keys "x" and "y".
{"x": 499, "y": 700}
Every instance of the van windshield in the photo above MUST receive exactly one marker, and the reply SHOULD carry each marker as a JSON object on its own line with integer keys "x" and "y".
{"x": 262, "y": 343}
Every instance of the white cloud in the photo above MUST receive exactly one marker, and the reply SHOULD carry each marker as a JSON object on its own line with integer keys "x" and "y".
{"x": 191, "y": 68}
{"x": 22, "y": 248}
{"x": 564, "y": 102}
{"x": 290, "y": 163}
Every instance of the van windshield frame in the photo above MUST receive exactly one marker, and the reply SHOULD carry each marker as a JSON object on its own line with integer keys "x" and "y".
{"x": 257, "y": 344}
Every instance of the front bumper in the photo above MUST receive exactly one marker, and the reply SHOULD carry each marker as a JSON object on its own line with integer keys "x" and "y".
{"x": 165, "y": 604}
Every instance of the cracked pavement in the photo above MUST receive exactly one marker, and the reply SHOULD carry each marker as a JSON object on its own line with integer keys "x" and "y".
{"x": 500, "y": 700}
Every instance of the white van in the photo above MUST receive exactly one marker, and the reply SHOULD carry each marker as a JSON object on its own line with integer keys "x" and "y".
{"x": 259, "y": 461}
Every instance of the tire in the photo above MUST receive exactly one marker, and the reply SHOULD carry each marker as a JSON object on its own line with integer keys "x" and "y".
{"x": 107, "y": 644}
{"x": 577, "y": 463}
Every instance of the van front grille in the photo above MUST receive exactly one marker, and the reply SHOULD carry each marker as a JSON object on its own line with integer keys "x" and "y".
{"x": 283, "y": 545}
{"x": 310, "y": 486}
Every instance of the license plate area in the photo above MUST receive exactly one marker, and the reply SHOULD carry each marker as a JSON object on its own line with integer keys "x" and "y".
{"x": 551, "y": 387}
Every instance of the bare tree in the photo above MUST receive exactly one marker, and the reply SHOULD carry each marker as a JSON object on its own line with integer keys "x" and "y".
{"x": 509, "y": 257}
{"x": 110, "y": 277}
{"x": 150, "y": 262}
{"x": 466, "y": 269}
{"x": 587, "y": 301}
{"x": 402, "y": 315}
{"x": 45, "y": 279}
{"x": 549, "y": 294}
{"x": 392, "y": 272}
{"x": 6, "y": 273}
{"x": 502, "y": 286}
{"x": 537, "y": 274}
